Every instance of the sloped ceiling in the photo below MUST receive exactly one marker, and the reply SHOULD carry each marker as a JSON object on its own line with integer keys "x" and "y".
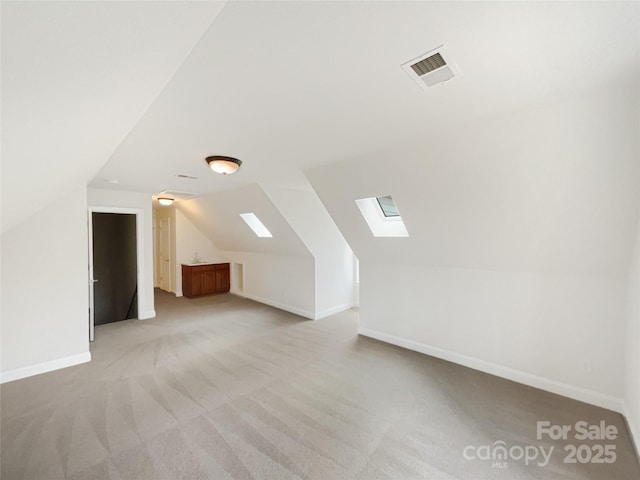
{"x": 283, "y": 85}
{"x": 292, "y": 85}
{"x": 217, "y": 215}
{"x": 308, "y": 217}
{"x": 552, "y": 190}
{"x": 76, "y": 77}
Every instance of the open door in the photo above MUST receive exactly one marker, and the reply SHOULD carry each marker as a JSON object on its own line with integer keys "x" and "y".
{"x": 113, "y": 267}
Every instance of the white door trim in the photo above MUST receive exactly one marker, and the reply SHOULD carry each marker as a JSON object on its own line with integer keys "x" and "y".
{"x": 139, "y": 213}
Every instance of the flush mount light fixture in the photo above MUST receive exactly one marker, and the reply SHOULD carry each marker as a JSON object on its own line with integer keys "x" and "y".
{"x": 224, "y": 165}
{"x": 165, "y": 201}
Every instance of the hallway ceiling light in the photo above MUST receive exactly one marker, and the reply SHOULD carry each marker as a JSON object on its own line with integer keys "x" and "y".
{"x": 224, "y": 165}
{"x": 177, "y": 194}
{"x": 165, "y": 201}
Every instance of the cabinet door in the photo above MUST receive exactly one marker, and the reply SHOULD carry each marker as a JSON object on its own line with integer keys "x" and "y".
{"x": 186, "y": 281}
{"x": 208, "y": 282}
{"x": 196, "y": 283}
{"x": 223, "y": 282}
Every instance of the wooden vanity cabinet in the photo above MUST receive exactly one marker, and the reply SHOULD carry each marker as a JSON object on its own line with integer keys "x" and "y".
{"x": 223, "y": 278}
{"x": 205, "y": 279}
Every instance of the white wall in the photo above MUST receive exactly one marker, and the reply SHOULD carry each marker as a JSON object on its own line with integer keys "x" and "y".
{"x": 334, "y": 272}
{"x": 45, "y": 323}
{"x": 282, "y": 281}
{"x": 142, "y": 201}
{"x": 632, "y": 363}
{"x": 532, "y": 328}
{"x": 190, "y": 240}
{"x": 521, "y": 232}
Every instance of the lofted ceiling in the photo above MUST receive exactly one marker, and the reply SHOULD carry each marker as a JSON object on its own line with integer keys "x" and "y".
{"x": 291, "y": 85}
{"x": 141, "y": 91}
{"x": 217, "y": 215}
{"x": 76, "y": 78}
{"x": 550, "y": 190}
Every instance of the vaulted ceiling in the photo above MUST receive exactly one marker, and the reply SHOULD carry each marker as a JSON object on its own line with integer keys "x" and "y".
{"x": 76, "y": 78}
{"x": 141, "y": 91}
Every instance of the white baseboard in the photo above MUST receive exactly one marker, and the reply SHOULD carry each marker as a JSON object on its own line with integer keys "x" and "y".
{"x": 281, "y": 306}
{"x": 332, "y": 311}
{"x": 24, "y": 372}
{"x": 543, "y": 383}
{"x": 146, "y": 315}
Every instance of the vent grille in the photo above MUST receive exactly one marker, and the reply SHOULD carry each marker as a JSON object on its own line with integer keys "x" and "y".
{"x": 188, "y": 177}
{"x": 429, "y": 64}
{"x": 179, "y": 194}
{"x": 433, "y": 68}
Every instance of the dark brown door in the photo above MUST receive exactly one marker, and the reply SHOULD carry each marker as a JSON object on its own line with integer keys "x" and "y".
{"x": 115, "y": 267}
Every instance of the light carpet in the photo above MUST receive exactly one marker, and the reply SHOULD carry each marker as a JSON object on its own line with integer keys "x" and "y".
{"x": 222, "y": 388}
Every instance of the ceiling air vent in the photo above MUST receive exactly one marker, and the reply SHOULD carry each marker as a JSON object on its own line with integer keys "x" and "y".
{"x": 178, "y": 194}
{"x": 185, "y": 176}
{"x": 432, "y": 68}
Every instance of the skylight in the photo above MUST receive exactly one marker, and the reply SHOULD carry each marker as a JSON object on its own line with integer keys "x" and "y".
{"x": 256, "y": 225}
{"x": 382, "y": 216}
{"x": 387, "y": 206}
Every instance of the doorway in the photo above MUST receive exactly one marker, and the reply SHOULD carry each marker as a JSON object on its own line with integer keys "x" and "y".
{"x": 114, "y": 268}
{"x": 164, "y": 253}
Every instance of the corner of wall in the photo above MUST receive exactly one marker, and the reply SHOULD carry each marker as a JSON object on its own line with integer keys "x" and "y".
{"x": 332, "y": 311}
{"x": 632, "y": 347}
{"x": 147, "y": 315}
{"x": 51, "y": 332}
{"x": 633, "y": 425}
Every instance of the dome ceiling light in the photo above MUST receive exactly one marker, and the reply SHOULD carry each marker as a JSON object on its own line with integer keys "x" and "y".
{"x": 165, "y": 201}
{"x": 223, "y": 165}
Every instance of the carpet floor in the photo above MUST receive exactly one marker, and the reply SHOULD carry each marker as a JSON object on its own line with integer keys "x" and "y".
{"x": 222, "y": 388}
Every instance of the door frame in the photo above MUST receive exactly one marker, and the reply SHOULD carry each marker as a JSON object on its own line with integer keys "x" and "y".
{"x": 139, "y": 213}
